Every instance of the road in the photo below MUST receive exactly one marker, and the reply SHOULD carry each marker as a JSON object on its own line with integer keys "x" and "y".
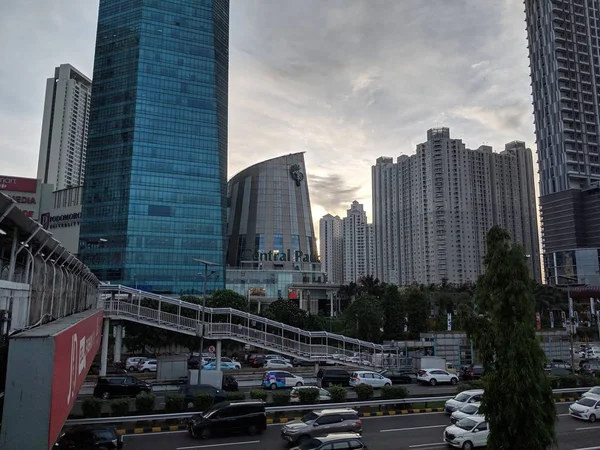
{"x": 408, "y": 432}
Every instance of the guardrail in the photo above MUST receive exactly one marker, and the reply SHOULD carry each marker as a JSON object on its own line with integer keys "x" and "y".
{"x": 274, "y": 409}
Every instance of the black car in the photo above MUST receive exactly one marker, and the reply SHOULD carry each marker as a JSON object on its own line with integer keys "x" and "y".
{"x": 257, "y": 360}
{"x": 120, "y": 386}
{"x": 472, "y": 372}
{"x": 229, "y": 383}
{"x": 327, "y": 377}
{"x": 111, "y": 369}
{"x": 228, "y": 418}
{"x": 190, "y": 391}
{"x": 398, "y": 376}
{"x": 90, "y": 438}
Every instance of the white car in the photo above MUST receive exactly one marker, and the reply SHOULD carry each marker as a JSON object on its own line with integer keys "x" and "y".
{"x": 593, "y": 392}
{"x": 470, "y": 409}
{"x": 269, "y": 357}
{"x": 277, "y": 364}
{"x": 274, "y": 379}
{"x": 436, "y": 376}
{"x": 148, "y": 365}
{"x": 324, "y": 395}
{"x": 132, "y": 363}
{"x": 468, "y": 433}
{"x": 463, "y": 399}
{"x": 587, "y": 408}
{"x": 372, "y": 378}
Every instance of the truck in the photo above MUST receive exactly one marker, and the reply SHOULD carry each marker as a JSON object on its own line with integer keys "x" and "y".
{"x": 433, "y": 362}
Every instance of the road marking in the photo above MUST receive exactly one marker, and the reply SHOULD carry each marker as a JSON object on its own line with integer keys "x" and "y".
{"x": 587, "y": 428}
{"x": 219, "y": 445}
{"x": 413, "y": 428}
{"x": 443, "y": 444}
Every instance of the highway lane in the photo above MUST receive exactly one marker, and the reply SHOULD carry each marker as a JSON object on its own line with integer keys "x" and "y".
{"x": 407, "y": 432}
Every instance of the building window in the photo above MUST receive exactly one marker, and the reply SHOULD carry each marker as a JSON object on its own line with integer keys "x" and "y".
{"x": 259, "y": 243}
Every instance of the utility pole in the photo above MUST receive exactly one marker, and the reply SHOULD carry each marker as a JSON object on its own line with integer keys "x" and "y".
{"x": 571, "y": 319}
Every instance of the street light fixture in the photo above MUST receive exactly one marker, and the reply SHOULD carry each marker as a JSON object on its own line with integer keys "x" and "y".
{"x": 571, "y": 327}
{"x": 206, "y": 264}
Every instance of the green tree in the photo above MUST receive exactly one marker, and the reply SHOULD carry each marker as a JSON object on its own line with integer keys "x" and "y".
{"x": 518, "y": 400}
{"x": 393, "y": 313}
{"x": 369, "y": 285}
{"x": 417, "y": 311}
{"x": 226, "y": 298}
{"x": 287, "y": 312}
{"x": 364, "y": 319}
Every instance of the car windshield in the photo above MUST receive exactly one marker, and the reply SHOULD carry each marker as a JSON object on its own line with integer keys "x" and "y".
{"x": 309, "y": 417}
{"x": 462, "y": 397}
{"x": 105, "y": 435}
{"x": 466, "y": 424}
{"x": 213, "y": 408}
{"x": 586, "y": 401}
{"x": 469, "y": 409}
{"x": 311, "y": 444}
{"x": 595, "y": 390}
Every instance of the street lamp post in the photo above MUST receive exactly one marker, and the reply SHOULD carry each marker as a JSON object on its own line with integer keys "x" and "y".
{"x": 571, "y": 324}
{"x": 206, "y": 264}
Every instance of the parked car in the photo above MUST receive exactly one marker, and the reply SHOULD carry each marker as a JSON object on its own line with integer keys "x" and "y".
{"x": 436, "y": 376}
{"x": 371, "y": 378}
{"x": 595, "y": 391}
{"x": 228, "y": 418}
{"x": 224, "y": 366}
{"x": 468, "y": 433}
{"x": 592, "y": 368}
{"x": 229, "y": 383}
{"x": 470, "y": 409}
{"x": 98, "y": 437}
{"x": 274, "y": 379}
{"x": 296, "y": 362}
{"x": 463, "y": 398}
{"x": 327, "y": 377}
{"x": 148, "y": 365}
{"x": 471, "y": 372}
{"x": 335, "y": 440}
{"x": 277, "y": 364}
{"x": 320, "y": 423}
{"x": 189, "y": 392}
{"x": 119, "y": 386}
{"x": 273, "y": 356}
{"x": 324, "y": 395}
{"x": 586, "y": 408}
{"x": 397, "y": 376}
{"x": 111, "y": 369}
{"x": 257, "y": 360}
{"x": 132, "y": 363}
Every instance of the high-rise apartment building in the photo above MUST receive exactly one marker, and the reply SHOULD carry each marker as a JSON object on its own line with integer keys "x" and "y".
{"x": 434, "y": 209}
{"x": 65, "y": 128}
{"x": 355, "y": 243}
{"x": 156, "y": 187}
{"x": 563, "y": 47}
{"x": 331, "y": 246}
{"x": 371, "y": 249}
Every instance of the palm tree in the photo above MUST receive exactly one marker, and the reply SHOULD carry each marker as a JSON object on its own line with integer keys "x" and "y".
{"x": 369, "y": 285}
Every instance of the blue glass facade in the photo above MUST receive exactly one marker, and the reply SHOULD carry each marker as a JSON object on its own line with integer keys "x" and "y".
{"x": 156, "y": 174}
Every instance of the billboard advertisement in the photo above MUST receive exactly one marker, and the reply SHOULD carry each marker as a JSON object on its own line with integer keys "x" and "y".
{"x": 17, "y": 184}
{"x": 24, "y": 192}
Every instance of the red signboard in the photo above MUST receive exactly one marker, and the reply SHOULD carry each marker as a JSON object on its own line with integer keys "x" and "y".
{"x": 17, "y": 184}
{"x": 74, "y": 351}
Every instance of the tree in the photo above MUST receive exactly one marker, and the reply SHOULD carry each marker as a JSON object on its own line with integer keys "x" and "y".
{"x": 417, "y": 311}
{"x": 286, "y": 312}
{"x": 518, "y": 402}
{"x": 369, "y": 285}
{"x": 394, "y": 313}
{"x": 226, "y": 298}
{"x": 364, "y": 319}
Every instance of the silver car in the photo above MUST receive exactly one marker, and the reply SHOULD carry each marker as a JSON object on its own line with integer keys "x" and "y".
{"x": 321, "y": 423}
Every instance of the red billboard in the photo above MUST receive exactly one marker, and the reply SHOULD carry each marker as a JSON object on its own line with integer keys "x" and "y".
{"x": 17, "y": 184}
{"x": 74, "y": 350}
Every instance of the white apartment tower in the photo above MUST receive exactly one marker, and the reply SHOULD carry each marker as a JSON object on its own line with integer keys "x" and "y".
{"x": 355, "y": 243}
{"x": 432, "y": 210}
{"x": 65, "y": 128}
{"x": 371, "y": 249}
{"x": 331, "y": 248}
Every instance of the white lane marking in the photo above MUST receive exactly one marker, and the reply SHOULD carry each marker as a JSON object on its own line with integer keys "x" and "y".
{"x": 153, "y": 434}
{"x": 413, "y": 428}
{"x": 588, "y": 448}
{"x": 219, "y": 445}
{"x": 587, "y": 428}
{"x": 443, "y": 444}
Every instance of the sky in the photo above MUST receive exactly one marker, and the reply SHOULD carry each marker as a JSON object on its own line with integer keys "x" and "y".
{"x": 345, "y": 81}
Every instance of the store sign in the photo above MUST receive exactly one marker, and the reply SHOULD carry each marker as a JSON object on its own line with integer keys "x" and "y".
{"x": 279, "y": 256}
{"x": 16, "y": 184}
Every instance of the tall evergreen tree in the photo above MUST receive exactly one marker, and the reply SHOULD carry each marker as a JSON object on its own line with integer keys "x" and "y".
{"x": 394, "y": 312}
{"x": 518, "y": 400}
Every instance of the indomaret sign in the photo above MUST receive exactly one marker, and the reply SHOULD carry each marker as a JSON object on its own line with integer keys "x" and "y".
{"x": 276, "y": 255}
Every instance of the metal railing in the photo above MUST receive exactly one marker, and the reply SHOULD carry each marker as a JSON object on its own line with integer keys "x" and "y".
{"x": 274, "y": 409}
{"x": 125, "y": 303}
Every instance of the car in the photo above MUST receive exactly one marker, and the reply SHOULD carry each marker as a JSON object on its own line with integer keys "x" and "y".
{"x": 224, "y": 366}
{"x": 370, "y": 378}
{"x": 595, "y": 391}
{"x": 591, "y": 368}
{"x": 586, "y": 408}
{"x": 397, "y": 376}
{"x": 277, "y": 364}
{"x": 335, "y": 440}
{"x": 189, "y": 392}
{"x": 436, "y": 376}
{"x": 98, "y": 437}
{"x": 468, "y": 433}
{"x": 132, "y": 363}
{"x": 327, "y": 377}
{"x": 257, "y": 360}
{"x": 274, "y": 379}
{"x": 229, "y": 383}
{"x": 472, "y": 372}
{"x": 324, "y": 395}
{"x": 236, "y": 364}
{"x": 320, "y": 423}
{"x": 228, "y": 418}
{"x": 119, "y": 386}
{"x": 463, "y": 398}
{"x": 470, "y": 409}
{"x": 296, "y": 362}
{"x": 148, "y": 365}
{"x": 273, "y": 356}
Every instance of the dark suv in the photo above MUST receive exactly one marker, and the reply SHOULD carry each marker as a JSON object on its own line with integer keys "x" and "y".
{"x": 90, "y": 438}
{"x": 472, "y": 372}
{"x": 229, "y": 418}
{"x": 189, "y": 392}
{"x": 120, "y": 386}
{"x": 327, "y": 377}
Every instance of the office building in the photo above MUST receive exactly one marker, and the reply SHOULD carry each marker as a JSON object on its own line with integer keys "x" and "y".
{"x": 434, "y": 209}
{"x": 62, "y": 217}
{"x": 156, "y": 186}
{"x": 65, "y": 128}
{"x": 355, "y": 243}
{"x": 563, "y": 53}
{"x": 331, "y": 244}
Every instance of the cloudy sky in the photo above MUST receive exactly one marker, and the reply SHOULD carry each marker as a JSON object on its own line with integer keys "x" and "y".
{"x": 346, "y": 81}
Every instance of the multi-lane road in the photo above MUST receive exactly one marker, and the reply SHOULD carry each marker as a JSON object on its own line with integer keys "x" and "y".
{"x": 407, "y": 432}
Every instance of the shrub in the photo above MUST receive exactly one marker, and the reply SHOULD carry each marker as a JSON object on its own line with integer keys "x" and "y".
{"x": 144, "y": 403}
{"x": 119, "y": 407}
{"x": 567, "y": 381}
{"x": 258, "y": 394}
{"x": 475, "y": 384}
{"x": 393, "y": 392}
{"x": 338, "y": 393}
{"x": 281, "y": 398}
{"x": 364, "y": 392}
{"x": 309, "y": 396}
{"x": 92, "y": 407}
{"x": 202, "y": 401}
{"x": 554, "y": 382}
{"x": 587, "y": 381}
{"x": 174, "y": 403}
{"x": 236, "y": 396}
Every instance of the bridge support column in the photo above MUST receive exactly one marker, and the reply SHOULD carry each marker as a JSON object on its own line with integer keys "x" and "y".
{"x": 104, "y": 352}
{"x": 118, "y": 342}
{"x": 218, "y": 355}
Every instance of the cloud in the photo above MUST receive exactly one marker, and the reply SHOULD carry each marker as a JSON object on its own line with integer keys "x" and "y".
{"x": 332, "y": 191}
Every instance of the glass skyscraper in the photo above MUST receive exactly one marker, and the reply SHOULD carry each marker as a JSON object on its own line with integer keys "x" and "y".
{"x": 156, "y": 175}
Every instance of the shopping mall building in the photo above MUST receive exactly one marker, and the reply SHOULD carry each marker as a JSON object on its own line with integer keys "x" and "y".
{"x": 272, "y": 248}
